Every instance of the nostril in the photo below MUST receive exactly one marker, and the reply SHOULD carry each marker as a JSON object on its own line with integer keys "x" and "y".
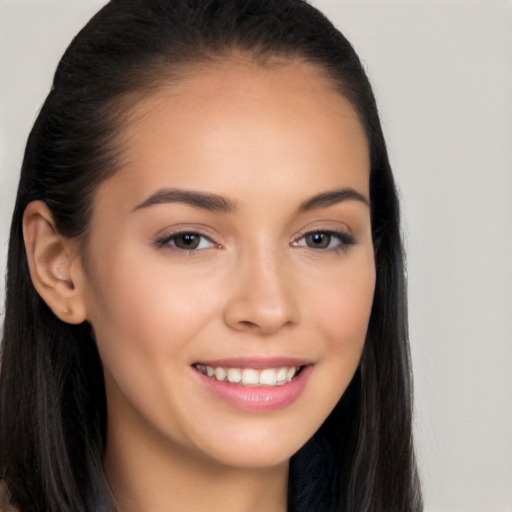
{"x": 250, "y": 325}
{"x": 262, "y": 328}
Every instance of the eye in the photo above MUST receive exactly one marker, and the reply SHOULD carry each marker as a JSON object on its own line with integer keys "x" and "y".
{"x": 185, "y": 241}
{"x": 325, "y": 240}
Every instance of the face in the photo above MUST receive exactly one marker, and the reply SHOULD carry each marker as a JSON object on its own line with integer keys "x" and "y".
{"x": 230, "y": 269}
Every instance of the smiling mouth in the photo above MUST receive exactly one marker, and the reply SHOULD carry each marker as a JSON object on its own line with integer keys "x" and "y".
{"x": 250, "y": 376}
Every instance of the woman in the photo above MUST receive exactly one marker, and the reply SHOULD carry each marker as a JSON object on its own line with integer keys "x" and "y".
{"x": 178, "y": 336}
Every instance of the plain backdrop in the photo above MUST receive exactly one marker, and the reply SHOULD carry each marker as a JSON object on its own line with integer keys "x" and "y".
{"x": 442, "y": 74}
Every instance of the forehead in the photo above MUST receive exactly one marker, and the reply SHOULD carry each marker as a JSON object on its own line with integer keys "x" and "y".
{"x": 237, "y": 118}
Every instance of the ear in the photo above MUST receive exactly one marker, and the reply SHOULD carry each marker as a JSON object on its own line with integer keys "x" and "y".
{"x": 54, "y": 263}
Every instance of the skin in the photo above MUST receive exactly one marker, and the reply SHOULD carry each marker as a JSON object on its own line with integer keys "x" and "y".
{"x": 266, "y": 138}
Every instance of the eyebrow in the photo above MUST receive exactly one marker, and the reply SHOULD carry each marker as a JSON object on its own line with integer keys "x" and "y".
{"x": 332, "y": 197}
{"x": 205, "y": 201}
{"x": 214, "y": 202}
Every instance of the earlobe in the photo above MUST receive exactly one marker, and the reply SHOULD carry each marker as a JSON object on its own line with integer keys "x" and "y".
{"x": 54, "y": 264}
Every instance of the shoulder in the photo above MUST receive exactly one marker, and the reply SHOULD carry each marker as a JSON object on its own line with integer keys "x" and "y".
{"x": 6, "y": 501}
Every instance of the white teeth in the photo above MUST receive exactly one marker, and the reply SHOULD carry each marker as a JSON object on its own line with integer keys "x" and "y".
{"x": 220, "y": 373}
{"x": 268, "y": 377}
{"x": 250, "y": 376}
{"x": 234, "y": 375}
{"x": 281, "y": 374}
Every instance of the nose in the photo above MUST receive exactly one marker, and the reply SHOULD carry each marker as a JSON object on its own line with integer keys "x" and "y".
{"x": 261, "y": 299}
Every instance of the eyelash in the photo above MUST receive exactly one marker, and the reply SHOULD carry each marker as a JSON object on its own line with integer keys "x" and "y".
{"x": 165, "y": 241}
{"x": 344, "y": 240}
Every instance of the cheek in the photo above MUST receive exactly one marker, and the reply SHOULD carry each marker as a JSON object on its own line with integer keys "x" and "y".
{"x": 338, "y": 314}
{"x": 341, "y": 315}
{"x": 344, "y": 309}
{"x": 149, "y": 312}
{"x": 148, "y": 317}
{"x": 146, "y": 323}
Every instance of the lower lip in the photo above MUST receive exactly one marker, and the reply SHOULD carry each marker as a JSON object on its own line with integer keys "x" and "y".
{"x": 257, "y": 398}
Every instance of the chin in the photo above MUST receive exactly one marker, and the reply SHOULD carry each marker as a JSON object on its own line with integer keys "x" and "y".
{"x": 258, "y": 447}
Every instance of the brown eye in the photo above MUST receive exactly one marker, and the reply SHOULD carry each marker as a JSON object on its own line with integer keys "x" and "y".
{"x": 327, "y": 240}
{"x": 186, "y": 241}
{"x": 318, "y": 240}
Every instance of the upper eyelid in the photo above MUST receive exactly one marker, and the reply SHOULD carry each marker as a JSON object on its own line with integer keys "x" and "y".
{"x": 345, "y": 238}
{"x": 200, "y": 230}
{"x": 333, "y": 224}
{"x": 164, "y": 239}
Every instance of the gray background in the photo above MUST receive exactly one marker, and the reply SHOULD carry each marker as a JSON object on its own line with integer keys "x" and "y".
{"x": 442, "y": 74}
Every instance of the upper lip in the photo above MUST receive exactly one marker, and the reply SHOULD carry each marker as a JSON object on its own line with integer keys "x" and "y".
{"x": 255, "y": 362}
